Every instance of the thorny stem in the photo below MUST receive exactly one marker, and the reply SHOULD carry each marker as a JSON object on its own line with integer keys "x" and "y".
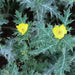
{"x": 63, "y": 62}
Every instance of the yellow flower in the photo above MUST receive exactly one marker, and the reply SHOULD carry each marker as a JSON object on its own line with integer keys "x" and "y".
{"x": 22, "y": 28}
{"x": 59, "y": 31}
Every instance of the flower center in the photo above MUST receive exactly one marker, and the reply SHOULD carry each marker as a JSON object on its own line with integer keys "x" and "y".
{"x": 59, "y": 32}
{"x": 22, "y": 29}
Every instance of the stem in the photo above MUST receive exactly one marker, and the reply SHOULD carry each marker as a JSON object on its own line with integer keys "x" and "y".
{"x": 63, "y": 62}
{"x": 9, "y": 28}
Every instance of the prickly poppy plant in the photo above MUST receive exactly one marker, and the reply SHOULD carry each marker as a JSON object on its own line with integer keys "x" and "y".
{"x": 37, "y": 37}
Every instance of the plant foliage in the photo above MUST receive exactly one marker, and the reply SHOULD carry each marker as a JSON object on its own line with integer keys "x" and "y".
{"x": 38, "y": 52}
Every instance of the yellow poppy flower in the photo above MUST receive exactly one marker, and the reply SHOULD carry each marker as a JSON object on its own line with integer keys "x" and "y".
{"x": 59, "y": 31}
{"x": 22, "y": 28}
